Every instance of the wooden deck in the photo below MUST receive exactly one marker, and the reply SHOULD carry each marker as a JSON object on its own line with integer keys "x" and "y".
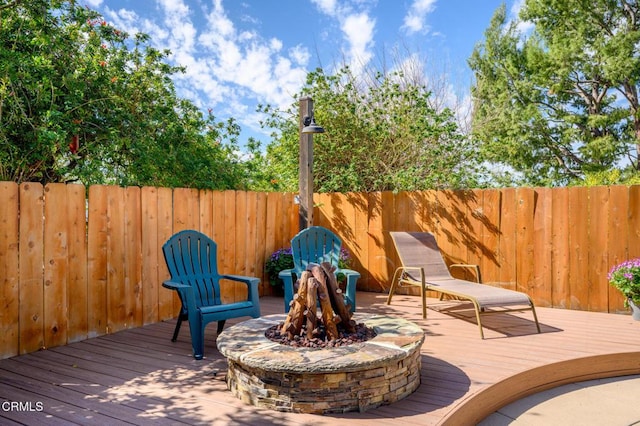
{"x": 139, "y": 376}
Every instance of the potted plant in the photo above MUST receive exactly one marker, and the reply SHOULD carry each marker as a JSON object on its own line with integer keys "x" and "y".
{"x": 344, "y": 262}
{"x": 626, "y": 278}
{"x": 279, "y": 260}
{"x": 282, "y": 259}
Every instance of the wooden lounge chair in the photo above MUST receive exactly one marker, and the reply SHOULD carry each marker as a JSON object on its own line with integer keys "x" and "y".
{"x": 424, "y": 266}
{"x": 193, "y": 264}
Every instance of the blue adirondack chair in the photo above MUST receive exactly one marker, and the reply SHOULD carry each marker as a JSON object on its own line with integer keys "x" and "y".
{"x": 192, "y": 261}
{"x": 316, "y": 245}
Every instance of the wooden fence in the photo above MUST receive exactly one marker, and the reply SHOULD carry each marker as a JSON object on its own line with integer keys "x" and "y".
{"x": 76, "y": 264}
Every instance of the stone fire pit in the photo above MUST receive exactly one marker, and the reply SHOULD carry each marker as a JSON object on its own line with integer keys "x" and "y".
{"x": 356, "y": 377}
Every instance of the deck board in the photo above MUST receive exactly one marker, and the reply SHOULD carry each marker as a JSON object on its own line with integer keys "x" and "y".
{"x": 140, "y": 377}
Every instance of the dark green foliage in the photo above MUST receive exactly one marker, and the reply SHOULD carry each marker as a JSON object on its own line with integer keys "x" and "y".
{"x": 82, "y": 101}
{"x": 383, "y": 135}
{"x": 560, "y": 105}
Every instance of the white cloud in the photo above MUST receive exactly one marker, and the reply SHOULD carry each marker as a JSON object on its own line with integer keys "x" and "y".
{"x": 524, "y": 27}
{"x": 414, "y": 21}
{"x": 357, "y": 28}
{"x": 92, "y": 3}
{"x": 226, "y": 69}
{"x": 328, "y": 7}
{"x": 300, "y": 55}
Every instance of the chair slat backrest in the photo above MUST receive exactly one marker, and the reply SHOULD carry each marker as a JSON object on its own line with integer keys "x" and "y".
{"x": 420, "y": 250}
{"x": 192, "y": 260}
{"x": 315, "y": 245}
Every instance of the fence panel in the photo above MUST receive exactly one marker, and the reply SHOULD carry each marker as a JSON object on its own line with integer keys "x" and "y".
{"x": 76, "y": 267}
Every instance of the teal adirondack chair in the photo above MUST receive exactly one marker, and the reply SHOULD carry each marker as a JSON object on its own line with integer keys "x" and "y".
{"x": 192, "y": 261}
{"x": 316, "y": 245}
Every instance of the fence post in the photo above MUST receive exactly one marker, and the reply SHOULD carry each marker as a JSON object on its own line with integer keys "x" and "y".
{"x": 305, "y": 177}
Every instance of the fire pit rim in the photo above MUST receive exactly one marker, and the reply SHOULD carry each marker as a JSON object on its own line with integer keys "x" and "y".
{"x": 247, "y": 344}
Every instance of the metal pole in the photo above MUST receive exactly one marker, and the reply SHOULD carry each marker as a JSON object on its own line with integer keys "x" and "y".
{"x": 305, "y": 177}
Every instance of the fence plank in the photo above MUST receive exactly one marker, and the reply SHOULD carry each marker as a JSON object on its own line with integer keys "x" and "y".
{"x": 167, "y": 299}
{"x": 382, "y": 259}
{"x": 133, "y": 256}
{"x": 31, "y": 267}
{"x": 271, "y": 242}
{"x": 618, "y": 237}
{"x": 186, "y": 215}
{"x": 9, "y": 278}
{"x": 475, "y": 223}
{"x": 443, "y": 232}
{"x": 56, "y": 265}
{"x": 240, "y": 239}
{"x": 117, "y": 297}
{"x": 560, "y": 248}
{"x": 97, "y": 261}
{"x": 151, "y": 256}
{"x": 578, "y": 247}
{"x": 634, "y": 221}
{"x": 525, "y": 208}
{"x": 489, "y": 267}
{"x": 259, "y": 240}
{"x": 77, "y": 292}
{"x": 250, "y": 235}
{"x": 291, "y": 215}
{"x": 206, "y": 212}
{"x": 228, "y": 251}
{"x": 360, "y": 242}
{"x": 542, "y": 248}
{"x": 598, "y": 249}
{"x": 507, "y": 253}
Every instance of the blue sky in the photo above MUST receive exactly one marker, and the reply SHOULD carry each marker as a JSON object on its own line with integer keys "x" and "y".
{"x": 240, "y": 53}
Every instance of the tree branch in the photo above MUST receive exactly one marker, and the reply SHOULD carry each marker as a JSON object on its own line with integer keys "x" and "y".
{"x": 12, "y": 4}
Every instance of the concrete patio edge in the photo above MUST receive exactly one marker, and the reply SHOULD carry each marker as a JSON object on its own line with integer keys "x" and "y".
{"x": 483, "y": 403}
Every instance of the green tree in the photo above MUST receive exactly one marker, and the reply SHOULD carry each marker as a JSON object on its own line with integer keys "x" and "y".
{"x": 560, "y": 104}
{"x": 382, "y": 134}
{"x": 82, "y": 101}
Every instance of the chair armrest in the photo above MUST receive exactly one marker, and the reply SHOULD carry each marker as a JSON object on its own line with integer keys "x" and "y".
{"x": 251, "y": 282}
{"x": 185, "y": 292}
{"x": 404, "y": 269}
{"x": 241, "y": 278}
{"x": 352, "y": 280}
{"x": 172, "y": 285}
{"x": 286, "y": 275}
{"x": 476, "y": 268}
{"x": 347, "y": 272}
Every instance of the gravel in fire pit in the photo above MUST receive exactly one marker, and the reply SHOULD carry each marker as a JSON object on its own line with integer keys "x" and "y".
{"x": 362, "y": 334}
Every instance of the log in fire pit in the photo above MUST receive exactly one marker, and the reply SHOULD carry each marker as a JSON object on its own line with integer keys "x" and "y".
{"x": 380, "y": 368}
